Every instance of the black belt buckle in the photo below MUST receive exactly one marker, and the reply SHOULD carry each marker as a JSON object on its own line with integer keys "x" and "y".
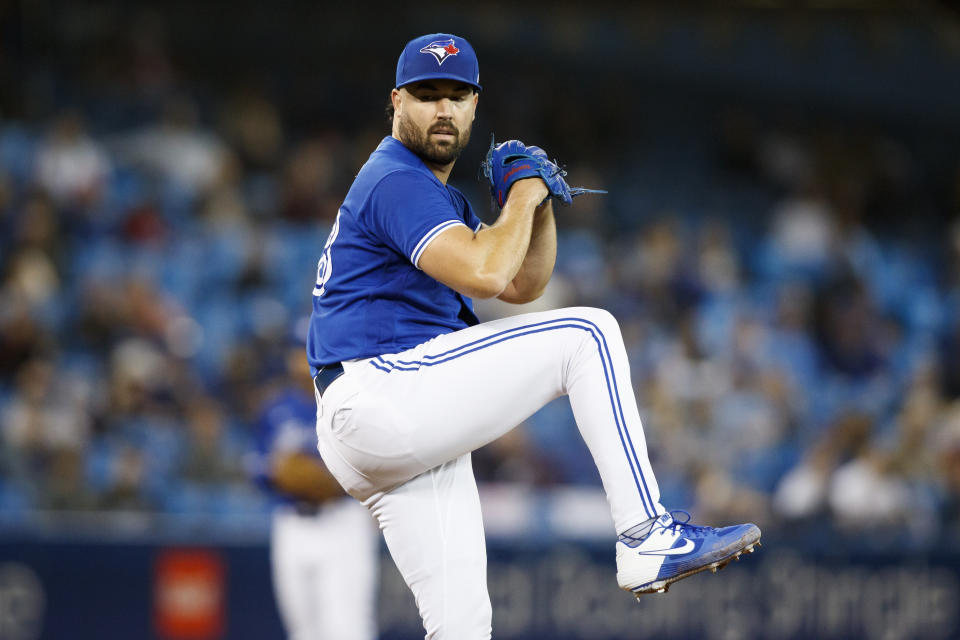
{"x": 326, "y": 376}
{"x": 306, "y": 509}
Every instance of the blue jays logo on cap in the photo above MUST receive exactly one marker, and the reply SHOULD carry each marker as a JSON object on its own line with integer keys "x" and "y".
{"x": 441, "y": 49}
{"x": 454, "y": 57}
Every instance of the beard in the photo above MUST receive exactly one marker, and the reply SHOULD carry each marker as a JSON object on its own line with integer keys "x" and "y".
{"x": 439, "y": 152}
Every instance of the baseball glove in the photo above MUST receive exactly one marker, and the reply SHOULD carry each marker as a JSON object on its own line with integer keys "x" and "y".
{"x": 512, "y": 160}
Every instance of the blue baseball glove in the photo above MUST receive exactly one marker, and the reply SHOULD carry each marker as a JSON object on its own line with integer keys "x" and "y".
{"x": 512, "y": 160}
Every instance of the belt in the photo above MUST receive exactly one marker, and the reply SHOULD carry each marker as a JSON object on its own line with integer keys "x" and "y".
{"x": 306, "y": 509}
{"x": 327, "y": 375}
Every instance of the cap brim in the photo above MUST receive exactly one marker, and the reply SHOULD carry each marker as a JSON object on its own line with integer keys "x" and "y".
{"x": 441, "y": 76}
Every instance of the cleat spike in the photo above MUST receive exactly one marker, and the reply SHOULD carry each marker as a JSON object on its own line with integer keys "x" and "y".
{"x": 714, "y": 568}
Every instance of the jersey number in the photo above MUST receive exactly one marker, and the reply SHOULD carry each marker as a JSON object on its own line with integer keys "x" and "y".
{"x": 325, "y": 266}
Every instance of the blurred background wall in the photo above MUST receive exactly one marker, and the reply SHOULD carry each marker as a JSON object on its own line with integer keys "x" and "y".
{"x": 781, "y": 244}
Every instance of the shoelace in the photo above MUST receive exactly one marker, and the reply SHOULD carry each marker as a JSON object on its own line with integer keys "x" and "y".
{"x": 683, "y": 525}
{"x": 679, "y": 520}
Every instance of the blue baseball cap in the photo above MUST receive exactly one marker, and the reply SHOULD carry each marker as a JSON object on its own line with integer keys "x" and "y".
{"x": 436, "y": 56}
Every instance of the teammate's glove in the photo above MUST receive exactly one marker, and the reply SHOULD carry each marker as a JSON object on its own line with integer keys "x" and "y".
{"x": 512, "y": 160}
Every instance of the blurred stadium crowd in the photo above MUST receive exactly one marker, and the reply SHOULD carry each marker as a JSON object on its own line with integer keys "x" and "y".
{"x": 795, "y": 355}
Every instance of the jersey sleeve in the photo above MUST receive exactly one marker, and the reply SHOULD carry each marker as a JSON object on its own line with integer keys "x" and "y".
{"x": 472, "y": 220}
{"x": 257, "y": 463}
{"x": 463, "y": 205}
{"x": 407, "y": 211}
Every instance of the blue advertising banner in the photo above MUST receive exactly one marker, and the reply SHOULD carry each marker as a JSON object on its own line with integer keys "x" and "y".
{"x": 104, "y": 591}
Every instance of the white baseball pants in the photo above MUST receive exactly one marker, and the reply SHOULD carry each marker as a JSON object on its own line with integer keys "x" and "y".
{"x": 325, "y": 570}
{"x": 396, "y": 431}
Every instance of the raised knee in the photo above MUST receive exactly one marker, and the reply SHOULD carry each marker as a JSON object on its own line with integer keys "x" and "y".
{"x": 602, "y": 319}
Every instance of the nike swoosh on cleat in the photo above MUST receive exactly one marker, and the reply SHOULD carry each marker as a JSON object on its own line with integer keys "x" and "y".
{"x": 675, "y": 551}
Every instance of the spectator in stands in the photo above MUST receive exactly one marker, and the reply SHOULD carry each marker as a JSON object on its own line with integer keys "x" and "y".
{"x": 177, "y": 149}
{"x": 42, "y": 428}
{"x": 947, "y": 445}
{"x": 213, "y": 455}
{"x": 71, "y": 166}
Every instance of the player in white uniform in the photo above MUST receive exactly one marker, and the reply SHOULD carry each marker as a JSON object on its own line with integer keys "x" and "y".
{"x": 409, "y": 382}
{"x": 324, "y": 550}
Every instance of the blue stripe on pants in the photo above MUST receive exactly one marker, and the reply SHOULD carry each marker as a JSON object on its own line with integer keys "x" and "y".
{"x": 606, "y": 360}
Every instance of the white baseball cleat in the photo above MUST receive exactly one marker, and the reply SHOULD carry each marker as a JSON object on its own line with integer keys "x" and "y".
{"x": 674, "y": 549}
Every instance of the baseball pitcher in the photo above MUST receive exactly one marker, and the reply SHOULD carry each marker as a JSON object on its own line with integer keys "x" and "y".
{"x": 409, "y": 382}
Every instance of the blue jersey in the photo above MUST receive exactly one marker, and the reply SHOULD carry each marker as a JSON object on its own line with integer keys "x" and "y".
{"x": 287, "y": 424}
{"x": 371, "y": 297}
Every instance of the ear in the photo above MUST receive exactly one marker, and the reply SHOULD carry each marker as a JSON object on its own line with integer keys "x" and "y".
{"x": 397, "y": 99}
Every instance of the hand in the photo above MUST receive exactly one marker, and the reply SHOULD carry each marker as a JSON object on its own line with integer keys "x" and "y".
{"x": 305, "y": 477}
{"x": 545, "y": 207}
{"x": 533, "y": 188}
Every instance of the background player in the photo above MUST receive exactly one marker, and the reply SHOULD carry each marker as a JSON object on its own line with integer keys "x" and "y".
{"x": 409, "y": 382}
{"x": 324, "y": 550}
